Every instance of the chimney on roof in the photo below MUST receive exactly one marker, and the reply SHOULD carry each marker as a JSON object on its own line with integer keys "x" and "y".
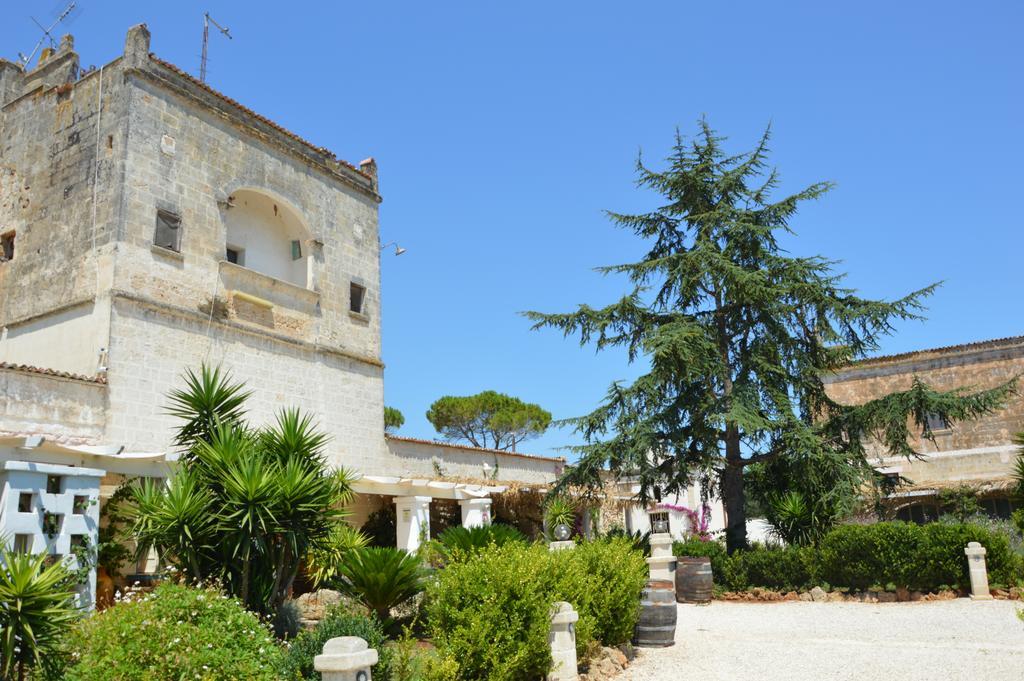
{"x": 368, "y": 166}
{"x": 136, "y": 46}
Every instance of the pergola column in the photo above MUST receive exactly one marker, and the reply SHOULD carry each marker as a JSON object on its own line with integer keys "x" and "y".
{"x": 413, "y": 521}
{"x": 476, "y": 512}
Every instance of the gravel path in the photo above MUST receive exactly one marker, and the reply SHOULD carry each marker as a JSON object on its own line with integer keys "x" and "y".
{"x": 924, "y": 641}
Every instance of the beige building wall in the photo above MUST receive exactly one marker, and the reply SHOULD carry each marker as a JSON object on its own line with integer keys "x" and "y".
{"x": 978, "y": 452}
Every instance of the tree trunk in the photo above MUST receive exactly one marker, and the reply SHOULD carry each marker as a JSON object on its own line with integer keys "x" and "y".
{"x": 733, "y": 497}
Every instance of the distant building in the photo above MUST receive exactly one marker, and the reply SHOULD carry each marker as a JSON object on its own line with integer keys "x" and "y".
{"x": 977, "y": 453}
{"x": 148, "y": 224}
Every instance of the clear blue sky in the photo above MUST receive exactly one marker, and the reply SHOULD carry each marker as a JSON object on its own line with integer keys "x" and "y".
{"x": 502, "y": 133}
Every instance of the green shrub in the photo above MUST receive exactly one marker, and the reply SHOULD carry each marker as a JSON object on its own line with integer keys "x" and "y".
{"x": 942, "y": 559}
{"x": 175, "y": 632}
{"x": 919, "y": 557}
{"x": 860, "y": 556}
{"x": 491, "y": 613}
{"x": 602, "y": 580}
{"x": 297, "y": 663}
{"x": 783, "y": 568}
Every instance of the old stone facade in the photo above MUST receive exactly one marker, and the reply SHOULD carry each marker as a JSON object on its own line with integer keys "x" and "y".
{"x": 150, "y": 224}
{"x": 977, "y": 453}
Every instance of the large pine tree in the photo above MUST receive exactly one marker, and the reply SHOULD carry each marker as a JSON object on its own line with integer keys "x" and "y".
{"x": 739, "y": 335}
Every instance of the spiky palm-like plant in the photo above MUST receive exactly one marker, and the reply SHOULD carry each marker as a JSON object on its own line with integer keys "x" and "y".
{"x": 324, "y": 561}
{"x": 247, "y": 506}
{"x": 208, "y": 399}
{"x": 469, "y": 540}
{"x": 560, "y": 511}
{"x": 381, "y": 578}
{"x": 36, "y": 609}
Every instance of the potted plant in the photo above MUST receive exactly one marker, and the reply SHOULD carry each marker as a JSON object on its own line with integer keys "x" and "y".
{"x": 560, "y": 516}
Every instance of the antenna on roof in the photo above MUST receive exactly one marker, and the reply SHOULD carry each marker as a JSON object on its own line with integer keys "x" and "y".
{"x": 47, "y": 34}
{"x": 207, "y": 20}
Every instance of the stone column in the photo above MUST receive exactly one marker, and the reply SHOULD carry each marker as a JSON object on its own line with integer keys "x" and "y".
{"x": 563, "y": 643}
{"x": 347, "y": 658}
{"x": 979, "y": 575}
{"x": 476, "y": 512}
{"x": 413, "y": 521}
{"x": 662, "y": 563}
{"x": 561, "y": 545}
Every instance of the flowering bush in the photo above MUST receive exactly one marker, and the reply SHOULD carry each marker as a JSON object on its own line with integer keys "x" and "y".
{"x": 699, "y": 524}
{"x": 174, "y": 632}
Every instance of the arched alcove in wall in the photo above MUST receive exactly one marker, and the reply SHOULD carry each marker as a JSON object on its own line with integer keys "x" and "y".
{"x": 268, "y": 236}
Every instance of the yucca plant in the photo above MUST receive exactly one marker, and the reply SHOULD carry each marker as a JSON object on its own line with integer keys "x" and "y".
{"x": 324, "y": 561}
{"x": 208, "y": 399}
{"x": 246, "y": 506}
{"x": 559, "y": 511}
{"x": 36, "y": 610}
{"x": 466, "y": 541}
{"x": 382, "y": 578}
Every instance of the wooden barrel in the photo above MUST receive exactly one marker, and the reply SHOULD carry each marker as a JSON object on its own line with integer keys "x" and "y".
{"x": 657, "y": 625}
{"x": 693, "y": 579}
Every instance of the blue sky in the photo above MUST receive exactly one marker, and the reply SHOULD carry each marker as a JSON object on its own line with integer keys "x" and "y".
{"x": 503, "y": 132}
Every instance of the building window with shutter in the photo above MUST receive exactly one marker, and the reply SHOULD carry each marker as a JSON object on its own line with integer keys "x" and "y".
{"x": 168, "y": 230}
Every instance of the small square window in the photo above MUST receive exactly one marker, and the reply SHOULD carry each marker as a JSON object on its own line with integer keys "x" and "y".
{"x": 25, "y": 502}
{"x": 77, "y": 541}
{"x": 53, "y": 484}
{"x": 296, "y": 249}
{"x": 80, "y": 505}
{"x": 22, "y": 543}
{"x": 937, "y": 422}
{"x": 357, "y": 296}
{"x": 168, "y": 230}
{"x": 235, "y": 255}
{"x": 7, "y": 245}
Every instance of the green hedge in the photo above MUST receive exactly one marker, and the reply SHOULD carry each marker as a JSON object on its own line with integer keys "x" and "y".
{"x": 918, "y": 557}
{"x": 492, "y": 613}
{"x": 883, "y": 555}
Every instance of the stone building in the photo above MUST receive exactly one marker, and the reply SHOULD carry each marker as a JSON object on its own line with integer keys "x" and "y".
{"x": 979, "y": 454}
{"x": 150, "y": 223}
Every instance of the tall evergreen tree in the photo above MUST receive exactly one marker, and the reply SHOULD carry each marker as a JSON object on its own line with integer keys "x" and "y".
{"x": 739, "y": 335}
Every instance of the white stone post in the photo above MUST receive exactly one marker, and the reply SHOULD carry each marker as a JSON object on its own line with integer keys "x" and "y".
{"x": 413, "y": 521}
{"x": 347, "y": 658}
{"x": 561, "y": 545}
{"x": 476, "y": 512}
{"x": 662, "y": 563}
{"x": 979, "y": 575}
{"x": 563, "y": 642}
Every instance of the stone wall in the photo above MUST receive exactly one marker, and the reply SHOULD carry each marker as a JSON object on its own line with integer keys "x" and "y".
{"x": 62, "y": 143}
{"x": 67, "y": 410}
{"x": 439, "y": 460}
{"x": 971, "y": 450}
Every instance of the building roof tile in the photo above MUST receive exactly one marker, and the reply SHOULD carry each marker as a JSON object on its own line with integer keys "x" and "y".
{"x": 25, "y": 368}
